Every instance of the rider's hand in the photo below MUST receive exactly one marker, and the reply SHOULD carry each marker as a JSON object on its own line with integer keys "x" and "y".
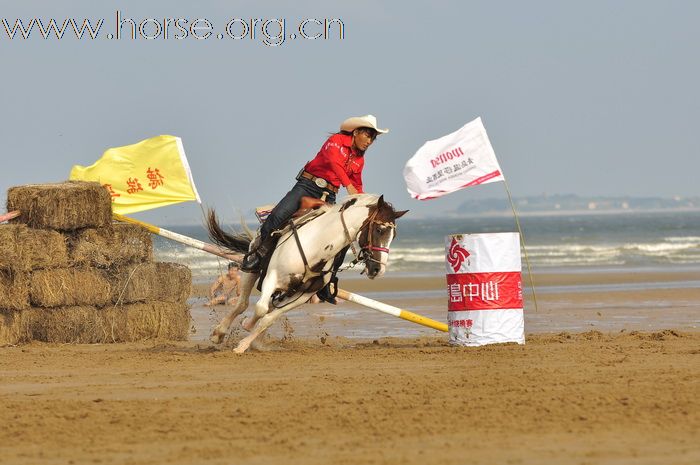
{"x": 351, "y": 189}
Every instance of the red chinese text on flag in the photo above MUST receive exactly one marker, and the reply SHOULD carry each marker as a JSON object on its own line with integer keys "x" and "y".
{"x": 461, "y": 159}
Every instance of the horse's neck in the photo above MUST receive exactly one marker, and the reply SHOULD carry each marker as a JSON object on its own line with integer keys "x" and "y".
{"x": 321, "y": 239}
{"x": 331, "y": 225}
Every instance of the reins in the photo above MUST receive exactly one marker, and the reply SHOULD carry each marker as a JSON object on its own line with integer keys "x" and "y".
{"x": 307, "y": 269}
{"x": 368, "y": 222}
{"x": 362, "y": 256}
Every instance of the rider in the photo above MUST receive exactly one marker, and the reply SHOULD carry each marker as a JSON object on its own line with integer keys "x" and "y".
{"x": 339, "y": 162}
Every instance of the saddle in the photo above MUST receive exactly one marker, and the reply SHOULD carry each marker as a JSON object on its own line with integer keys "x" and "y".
{"x": 310, "y": 208}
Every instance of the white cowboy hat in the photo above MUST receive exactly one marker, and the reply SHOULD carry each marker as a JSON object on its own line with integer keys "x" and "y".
{"x": 367, "y": 121}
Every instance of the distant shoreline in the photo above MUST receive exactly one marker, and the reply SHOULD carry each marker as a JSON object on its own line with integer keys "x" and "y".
{"x": 617, "y": 211}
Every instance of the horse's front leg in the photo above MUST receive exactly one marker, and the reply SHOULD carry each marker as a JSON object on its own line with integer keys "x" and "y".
{"x": 267, "y": 320}
{"x": 247, "y": 283}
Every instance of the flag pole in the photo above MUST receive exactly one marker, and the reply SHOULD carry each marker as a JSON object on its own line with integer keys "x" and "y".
{"x": 197, "y": 244}
{"x": 522, "y": 240}
{"x": 9, "y": 215}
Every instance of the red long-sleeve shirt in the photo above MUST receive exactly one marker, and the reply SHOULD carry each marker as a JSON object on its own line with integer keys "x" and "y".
{"x": 338, "y": 163}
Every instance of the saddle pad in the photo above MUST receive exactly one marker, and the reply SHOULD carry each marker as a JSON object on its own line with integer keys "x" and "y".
{"x": 302, "y": 220}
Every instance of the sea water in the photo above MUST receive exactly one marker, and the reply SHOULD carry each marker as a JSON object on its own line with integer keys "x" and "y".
{"x": 555, "y": 244}
{"x": 562, "y": 243}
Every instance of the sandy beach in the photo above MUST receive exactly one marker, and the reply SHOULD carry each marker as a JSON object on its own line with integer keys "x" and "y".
{"x": 565, "y": 398}
{"x": 335, "y": 385}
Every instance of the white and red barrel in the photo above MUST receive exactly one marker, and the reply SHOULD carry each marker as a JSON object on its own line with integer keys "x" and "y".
{"x": 484, "y": 288}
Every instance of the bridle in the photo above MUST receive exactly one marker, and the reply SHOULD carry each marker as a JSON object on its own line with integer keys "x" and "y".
{"x": 370, "y": 222}
{"x": 364, "y": 256}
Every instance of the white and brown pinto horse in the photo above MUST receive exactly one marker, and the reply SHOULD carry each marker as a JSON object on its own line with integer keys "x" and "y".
{"x": 300, "y": 266}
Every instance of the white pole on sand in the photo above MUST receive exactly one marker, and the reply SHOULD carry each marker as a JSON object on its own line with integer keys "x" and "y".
{"x": 206, "y": 247}
{"x": 393, "y": 311}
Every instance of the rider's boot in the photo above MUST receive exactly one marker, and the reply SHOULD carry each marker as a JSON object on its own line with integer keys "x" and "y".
{"x": 329, "y": 291}
{"x": 252, "y": 261}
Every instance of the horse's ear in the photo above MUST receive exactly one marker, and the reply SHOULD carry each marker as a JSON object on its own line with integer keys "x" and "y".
{"x": 380, "y": 202}
{"x": 398, "y": 215}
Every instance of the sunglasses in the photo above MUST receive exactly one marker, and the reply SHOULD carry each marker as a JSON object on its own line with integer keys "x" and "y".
{"x": 369, "y": 132}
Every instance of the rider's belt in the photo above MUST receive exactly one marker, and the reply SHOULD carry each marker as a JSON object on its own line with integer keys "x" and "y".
{"x": 320, "y": 182}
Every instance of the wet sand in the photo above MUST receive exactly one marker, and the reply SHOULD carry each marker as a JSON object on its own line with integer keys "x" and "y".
{"x": 331, "y": 387}
{"x": 605, "y": 301}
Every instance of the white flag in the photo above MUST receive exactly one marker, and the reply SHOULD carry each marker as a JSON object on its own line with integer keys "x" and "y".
{"x": 455, "y": 161}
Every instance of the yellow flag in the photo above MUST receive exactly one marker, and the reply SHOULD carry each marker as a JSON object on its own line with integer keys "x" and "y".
{"x": 151, "y": 174}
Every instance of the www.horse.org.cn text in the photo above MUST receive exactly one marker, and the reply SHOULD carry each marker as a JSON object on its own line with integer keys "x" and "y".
{"x": 271, "y": 32}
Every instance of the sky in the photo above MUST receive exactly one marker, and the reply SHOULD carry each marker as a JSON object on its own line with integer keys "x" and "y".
{"x": 589, "y": 98}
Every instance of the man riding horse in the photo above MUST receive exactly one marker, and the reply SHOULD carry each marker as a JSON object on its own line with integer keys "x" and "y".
{"x": 339, "y": 163}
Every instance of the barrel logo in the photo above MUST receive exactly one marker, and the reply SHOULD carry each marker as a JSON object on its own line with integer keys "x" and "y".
{"x": 457, "y": 255}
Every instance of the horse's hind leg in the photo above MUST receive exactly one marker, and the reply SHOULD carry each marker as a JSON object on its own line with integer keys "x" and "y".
{"x": 269, "y": 286}
{"x": 267, "y": 320}
{"x": 247, "y": 283}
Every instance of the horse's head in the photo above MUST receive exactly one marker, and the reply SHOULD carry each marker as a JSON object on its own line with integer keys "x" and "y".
{"x": 376, "y": 235}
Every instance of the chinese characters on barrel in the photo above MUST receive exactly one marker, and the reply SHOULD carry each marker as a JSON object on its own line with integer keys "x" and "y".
{"x": 485, "y": 291}
{"x": 463, "y": 323}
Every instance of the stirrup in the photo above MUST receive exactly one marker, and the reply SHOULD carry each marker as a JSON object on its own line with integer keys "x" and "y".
{"x": 328, "y": 294}
{"x": 251, "y": 262}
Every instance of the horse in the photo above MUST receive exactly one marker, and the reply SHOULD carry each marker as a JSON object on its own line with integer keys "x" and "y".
{"x": 301, "y": 263}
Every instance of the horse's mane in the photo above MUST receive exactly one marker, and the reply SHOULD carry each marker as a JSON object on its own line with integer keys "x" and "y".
{"x": 365, "y": 199}
{"x": 360, "y": 200}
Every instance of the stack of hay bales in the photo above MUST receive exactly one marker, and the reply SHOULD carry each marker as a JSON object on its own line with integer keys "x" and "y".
{"x": 68, "y": 274}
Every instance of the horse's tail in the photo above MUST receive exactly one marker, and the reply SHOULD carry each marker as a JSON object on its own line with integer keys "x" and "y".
{"x": 236, "y": 242}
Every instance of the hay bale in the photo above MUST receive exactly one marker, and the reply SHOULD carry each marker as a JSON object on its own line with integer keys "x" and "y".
{"x": 65, "y": 206}
{"x": 106, "y": 247}
{"x": 9, "y": 246}
{"x": 81, "y": 324}
{"x": 25, "y": 249}
{"x": 85, "y": 324}
{"x": 11, "y": 328}
{"x": 165, "y": 282}
{"x": 68, "y": 287}
{"x": 157, "y": 320}
{"x": 14, "y": 290}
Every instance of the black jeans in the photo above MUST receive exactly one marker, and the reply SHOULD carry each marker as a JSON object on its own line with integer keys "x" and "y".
{"x": 286, "y": 207}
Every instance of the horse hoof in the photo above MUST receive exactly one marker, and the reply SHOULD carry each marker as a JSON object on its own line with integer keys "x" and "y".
{"x": 245, "y": 324}
{"x": 239, "y": 350}
{"x": 217, "y": 337}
